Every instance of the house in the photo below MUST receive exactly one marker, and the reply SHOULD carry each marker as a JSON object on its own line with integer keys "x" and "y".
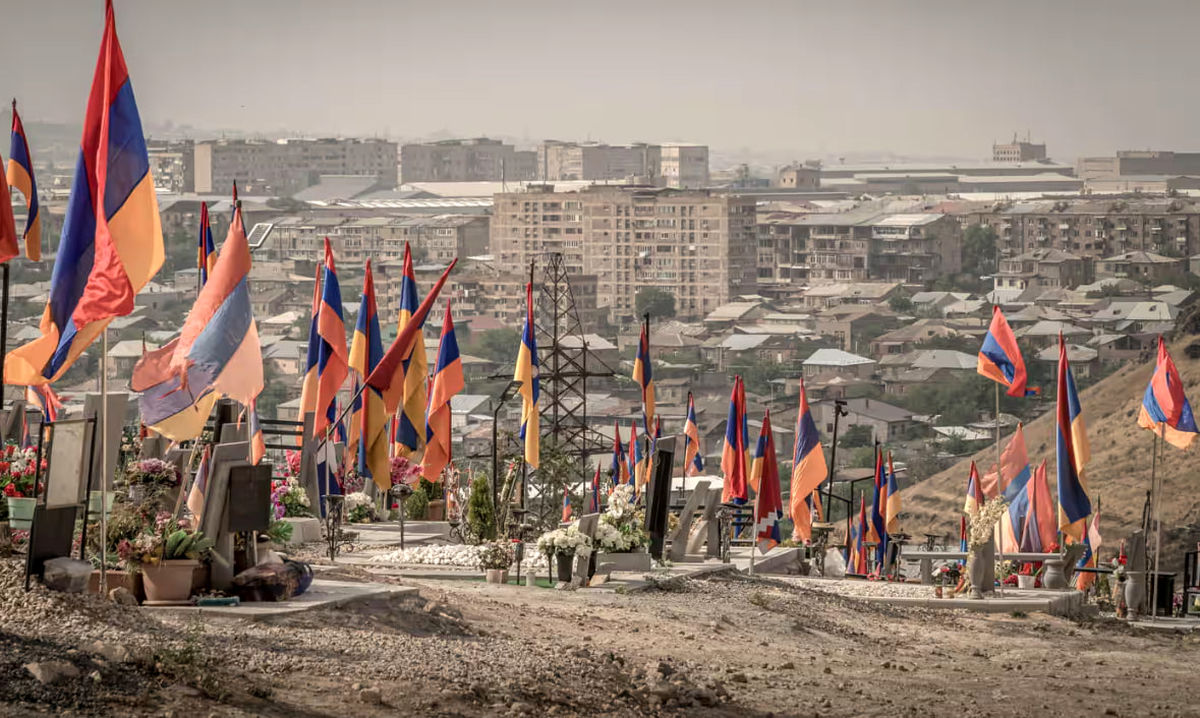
{"x": 1122, "y": 347}
{"x": 1084, "y": 359}
{"x": 901, "y": 383}
{"x": 906, "y": 338}
{"x": 839, "y": 361}
{"x": 1141, "y": 265}
{"x": 830, "y": 295}
{"x": 946, "y": 359}
{"x": 727, "y": 315}
{"x": 851, "y": 326}
{"x": 1045, "y": 333}
{"x": 887, "y": 422}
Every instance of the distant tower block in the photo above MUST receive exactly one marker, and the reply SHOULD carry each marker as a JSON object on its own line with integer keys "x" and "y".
{"x": 1018, "y": 151}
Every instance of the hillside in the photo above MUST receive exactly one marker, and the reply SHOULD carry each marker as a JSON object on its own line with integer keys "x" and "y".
{"x": 1119, "y": 470}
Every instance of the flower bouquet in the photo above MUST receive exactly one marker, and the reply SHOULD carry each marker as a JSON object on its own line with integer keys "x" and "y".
{"x": 567, "y": 541}
{"x": 18, "y": 473}
{"x": 359, "y": 508}
{"x": 620, "y": 529}
{"x": 495, "y": 558}
{"x": 168, "y": 555}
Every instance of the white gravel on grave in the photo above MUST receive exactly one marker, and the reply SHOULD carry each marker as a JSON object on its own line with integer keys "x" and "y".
{"x": 859, "y": 588}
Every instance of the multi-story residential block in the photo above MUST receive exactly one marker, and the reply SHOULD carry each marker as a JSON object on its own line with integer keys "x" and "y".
{"x": 666, "y": 165}
{"x": 284, "y": 167}
{"x": 1095, "y": 228}
{"x": 472, "y": 160}
{"x": 434, "y": 239}
{"x": 1018, "y": 151}
{"x": 1043, "y": 268}
{"x": 696, "y": 244}
{"x": 171, "y": 164}
{"x": 857, "y": 245}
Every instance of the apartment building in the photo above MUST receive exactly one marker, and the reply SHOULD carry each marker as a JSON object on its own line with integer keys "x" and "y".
{"x": 1095, "y": 228}
{"x": 696, "y": 244}
{"x": 1047, "y": 268}
{"x": 471, "y": 160}
{"x": 171, "y": 164}
{"x": 856, "y": 246}
{"x": 434, "y": 239}
{"x": 283, "y": 167}
{"x": 679, "y": 166}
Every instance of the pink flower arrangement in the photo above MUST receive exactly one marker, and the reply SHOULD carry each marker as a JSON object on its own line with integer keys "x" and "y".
{"x": 405, "y": 471}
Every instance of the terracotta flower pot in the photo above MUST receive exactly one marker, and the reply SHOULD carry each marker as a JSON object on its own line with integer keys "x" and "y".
{"x": 436, "y": 511}
{"x": 169, "y": 580}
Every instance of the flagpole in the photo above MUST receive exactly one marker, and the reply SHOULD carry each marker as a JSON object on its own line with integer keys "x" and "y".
{"x": 999, "y": 482}
{"x": 103, "y": 455}
{"x": 4, "y": 319}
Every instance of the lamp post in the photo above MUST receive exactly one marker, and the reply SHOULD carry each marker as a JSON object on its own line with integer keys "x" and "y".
{"x": 839, "y": 410}
{"x": 509, "y": 391}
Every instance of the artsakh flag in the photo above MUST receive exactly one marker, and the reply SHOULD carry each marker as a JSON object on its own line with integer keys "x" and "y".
{"x": 111, "y": 242}
{"x": 1165, "y": 409}
{"x": 693, "y": 458}
{"x": 642, "y": 375}
{"x": 20, "y": 175}
{"x": 765, "y": 479}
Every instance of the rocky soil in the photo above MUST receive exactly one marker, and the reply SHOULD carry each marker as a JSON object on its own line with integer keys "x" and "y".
{"x": 723, "y": 646}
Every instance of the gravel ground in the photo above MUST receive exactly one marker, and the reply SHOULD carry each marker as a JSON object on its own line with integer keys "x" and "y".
{"x": 849, "y": 587}
{"x": 723, "y": 646}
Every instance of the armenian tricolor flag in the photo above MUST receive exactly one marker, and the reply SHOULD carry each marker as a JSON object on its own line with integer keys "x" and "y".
{"x": 764, "y": 476}
{"x": 410, "y": 433}
{"x": 619, "y": 471}
{"x": 733, "y": 454}
{"x": 975, "y": 496}
{"x": 808, "y": 468}
{"x": 111, "y": 242}
{"x": 366, "y": 349}
{"x": 594, "y": 500}
{"x": 642, "y": 375}
{"x": 526, "y": 373}
{"x": 1071, "y": 449}
{"x": 1165, "y": 410}
{"x": 258, "y": 445}
{"x": 9, "y": 246}
{"x": 206, "y": 253}
{"x": 308, "y": 386}
{"x": 860, "y": 554}
{"x": 962, "y": 537}
{"x": 877, "y": 530}
{"x": 333, "y": 362}
{"x": 1040, "y": 531}
{"x": 693, "y": 457}
{"x": 1015, "y": 473}
{"x": 636, "y": 458}
{"x": 45, "y": 399}
{"x": 566, "y": 505}
{"x": 1000, "y": 358}
{"x": 195, "y": 499}
{"x": 216, "y": 354}
{"x": 892, "y": 504}
{"x": 446, "y": 382}
{"x": 20, "y": 175}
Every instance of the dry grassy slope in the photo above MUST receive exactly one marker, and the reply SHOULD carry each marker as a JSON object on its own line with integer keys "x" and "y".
{"x": 1119, "y": 469}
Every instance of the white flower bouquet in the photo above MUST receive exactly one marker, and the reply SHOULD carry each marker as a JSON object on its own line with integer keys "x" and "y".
{"x": 567, "y": 541}
{"x": 619, "y": 529}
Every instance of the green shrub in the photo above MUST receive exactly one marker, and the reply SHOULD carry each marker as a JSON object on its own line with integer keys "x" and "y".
{"x": 416, "y": 505}
{"x": 481, "y": 514}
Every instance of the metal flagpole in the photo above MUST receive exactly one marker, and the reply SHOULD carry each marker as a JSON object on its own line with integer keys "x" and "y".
{"x": 999, "y": 483}
{"x": 4, "y": 318}
{"x": 103, "y": 462}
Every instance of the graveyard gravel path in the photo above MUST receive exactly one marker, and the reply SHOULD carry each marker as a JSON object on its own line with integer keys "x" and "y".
{"x": 725, "y": 645}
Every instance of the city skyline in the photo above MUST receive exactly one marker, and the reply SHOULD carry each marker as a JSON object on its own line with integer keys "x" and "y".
{"x": 920, "y": 79}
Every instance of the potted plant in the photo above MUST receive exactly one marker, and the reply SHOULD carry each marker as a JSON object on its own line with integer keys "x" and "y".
{"x": 150, "y": 480}
{"x": 169, "y": 556}
{"x": 620, "y": 535}
{"x": 1027, "y": 576}
{"x": 494, "y": 559}
{"x": 18, "y": 471}
{"x": 359, "y": 508}
{"x": 562, "y": 546}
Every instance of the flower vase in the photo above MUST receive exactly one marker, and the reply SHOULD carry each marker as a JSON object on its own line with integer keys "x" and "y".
{"x": 1054, "y": 578}
{"x": 169, "y": 581}
{"x": 1135, "y": 593}
{"x": 977, "y": 572}
{"x": 436, "y": 511}
{"x": 563, "y": 562}
{"x": 497, "y": 575}
{"x": 20, "y": 512}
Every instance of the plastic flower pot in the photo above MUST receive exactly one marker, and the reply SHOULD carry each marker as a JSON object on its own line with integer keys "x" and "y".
{"x": 169, "y": 580}
{"x": 94, "y": 499}
{"x": 20, "y": 512}
{"x": 1024, "y": 581}
{"x": 497, "y": 575}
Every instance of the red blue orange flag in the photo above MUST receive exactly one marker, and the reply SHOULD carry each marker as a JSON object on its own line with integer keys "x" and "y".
{"x": 1165, "y": 410}
{"x": 860, "y": 552}
{"x": 20, "y": 175}
{"x": 877, "y": 529}
{"x": 217, "y": 354}
{"x": 195, "y": 498}
{"x": 808, "y": 468}
{"x": 620, "y": 468}
{"x": 409, "y": 436}
{"x": 643, "y": 376}
{"x": 975, "y": 497}
{"x": 566, "y": 505}
{"x": 693, "y": 456}
{"x": 768, "y": 502}
{"x": 1071, "y": 450}
{"x": 308, "y": 385}
{"x": 594, "y": 501}
{"x": 892, "y": 504}
{"x": 111, "y": 242}
{"x": 366, "y": 349}
{"x": 258, "y": 444}
{"x": 1000, "y": 358}
{"x": 446, "y": 382}
{"x": 333, "y": 362}
{"x": 635, "y": 457}
{"x": 1015, "y": 473}
{"x": 733, "y": 453}
{"x": 9, "y": 247}
{"x": 1091, "y": 552}
{"x": 206, "y": 252}
{"x": 526, "y": 372}
{"x": 1039, "y": 532}
{"x": 45, "y": 399}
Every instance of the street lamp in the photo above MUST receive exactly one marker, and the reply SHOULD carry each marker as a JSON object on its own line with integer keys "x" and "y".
{"x": 839, "y": 410}
{"x": 509, "y": 391}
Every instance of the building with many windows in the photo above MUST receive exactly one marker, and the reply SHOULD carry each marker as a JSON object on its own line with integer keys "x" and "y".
{"x": 473, "y": 160}
{"x": 283, "y": 167}
{"x": 696, "y": 244}
{"x": 664, "y": 165}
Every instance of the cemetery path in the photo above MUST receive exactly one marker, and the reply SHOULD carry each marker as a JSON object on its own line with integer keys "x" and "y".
{"x": 725, "y": 645}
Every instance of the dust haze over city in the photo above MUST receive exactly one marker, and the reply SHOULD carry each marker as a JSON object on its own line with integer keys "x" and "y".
{"x": 626, "y": 358}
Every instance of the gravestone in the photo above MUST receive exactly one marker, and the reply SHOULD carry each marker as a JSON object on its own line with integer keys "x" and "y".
{"x": 118, "y": 406}
{"x": 12, "y": 423}
{"x": 154, "y": 447}
{"x": 66, "y": 475}
{"x": 308, "y": 462}
{"x": 679, "y": 539}
{"x": 658, "y": 495}
{"x": 214, "y": 520}
{"x": 587, "y": 527}
{"x": 1136, "y": 554}
{"x": 708, "y": 530}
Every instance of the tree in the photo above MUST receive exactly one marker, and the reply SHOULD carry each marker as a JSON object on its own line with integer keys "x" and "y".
{"x": 900, "y": 303}
{"x": 856, "y": 436}
{"x": 657, "y": 302}
{"x": 481, "y": 515}
{"x": 498, "y": 345}
{"x": 979, "y": 250}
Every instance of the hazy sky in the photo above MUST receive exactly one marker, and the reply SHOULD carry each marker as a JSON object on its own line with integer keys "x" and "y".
{"x": 918, "y": 77}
